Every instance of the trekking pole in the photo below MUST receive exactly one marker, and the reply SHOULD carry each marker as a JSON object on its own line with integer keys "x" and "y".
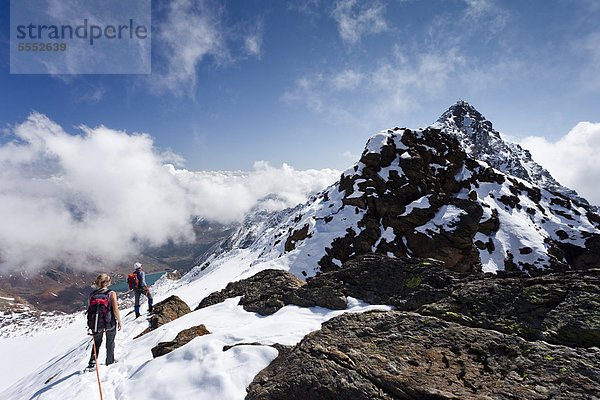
{"x": 96, "y": 361}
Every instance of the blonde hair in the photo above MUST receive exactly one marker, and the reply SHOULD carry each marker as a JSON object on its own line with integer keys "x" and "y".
{"x": 100, "y": 280}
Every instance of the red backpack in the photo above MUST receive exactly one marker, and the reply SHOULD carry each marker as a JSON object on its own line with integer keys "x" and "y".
{"x": 99, "y": 313}
{"x": 132, "y": 280}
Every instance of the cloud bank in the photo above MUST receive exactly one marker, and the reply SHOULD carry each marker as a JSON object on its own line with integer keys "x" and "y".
{"x": 573, "y": 159}
{"x": 102, "y": 194}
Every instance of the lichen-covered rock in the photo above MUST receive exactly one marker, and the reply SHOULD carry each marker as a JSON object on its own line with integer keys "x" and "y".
{"x": 262, "y": 293}
{"x": 166, "y": 311}
{"x": 558, "y": 308}
{"x": 182, "y": 338}
{"x": 399, "y": 355}
{"x": 404, "y": 283}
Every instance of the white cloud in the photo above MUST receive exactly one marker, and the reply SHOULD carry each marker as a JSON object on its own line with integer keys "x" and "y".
{"x": 228, "y": 196}
{"x": 486, "y": 14}
{"x": 573, "y": 159}
{"x": 95, "y": 197}
{"x": 393, "y": 87}
{"x": 403, "y": 82}
{"x": 319, "y": 94}
{"x": 252, "y": 44}
{"x": 191, "y": 32}
{"x": 100, "y": 194}
{"x": 350, "y": 156}
{"x": 347, "y": 79}
{"x": 253, "y": 40}
{"x": 307, "y": 7}
{"x": 356, "y": 19}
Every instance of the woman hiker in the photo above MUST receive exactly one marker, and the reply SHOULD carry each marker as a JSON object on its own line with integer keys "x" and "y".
{"x": 103, "y": 316}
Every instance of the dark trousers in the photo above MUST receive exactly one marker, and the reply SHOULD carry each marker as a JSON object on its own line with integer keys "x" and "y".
{"x": 110, "y": 345}
{"x": 139, "y": 293}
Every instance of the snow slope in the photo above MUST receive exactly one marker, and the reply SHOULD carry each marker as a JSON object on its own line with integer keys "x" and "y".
{"x": 200, "y": 368}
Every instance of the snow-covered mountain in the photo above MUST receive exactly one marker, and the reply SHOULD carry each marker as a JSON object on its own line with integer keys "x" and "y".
{"x": 482, "y": 142}
{"x": 423, "y": 193}
{"x": 413, "y": 193}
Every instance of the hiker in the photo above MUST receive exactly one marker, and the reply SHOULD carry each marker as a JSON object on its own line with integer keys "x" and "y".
{"x": 141, "y": 288}
{"x": 103, "y": 316}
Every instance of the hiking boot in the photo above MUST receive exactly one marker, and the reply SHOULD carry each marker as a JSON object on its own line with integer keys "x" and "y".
{"x": 137, "y": 315}
{"x": 150, "y": 308}
{"x": 91, "y": 366}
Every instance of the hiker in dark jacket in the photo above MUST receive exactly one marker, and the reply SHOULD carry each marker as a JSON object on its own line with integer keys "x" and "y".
{"x": 142, "y": 288}
{"x": 102, "y": 283}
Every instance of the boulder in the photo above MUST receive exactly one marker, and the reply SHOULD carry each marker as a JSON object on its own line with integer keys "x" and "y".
{"x": 174, "y": 275}
{"x": 166, "y": 311}
{"x": 262, "y": 293}
{"x": 400, "y": 355}
{"x": 182, "y": 338}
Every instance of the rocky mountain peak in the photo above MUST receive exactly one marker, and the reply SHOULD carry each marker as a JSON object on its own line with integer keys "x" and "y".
{"x": 466, "y": 118}
{"x": 418, "y": 193}
{"x": 481, "y": 141}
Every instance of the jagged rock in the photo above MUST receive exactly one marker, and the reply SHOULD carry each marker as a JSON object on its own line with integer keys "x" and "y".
{"x": 282, "y": 349}
{"x": 322, "y": 294}
{"x": 490, "y": 225}
{"x": 182, "y": 338}
{"x": 399, "y": 355}
{"x": 165, "y": 311}
{"x": 404, "y": 283}
{"x": 262, "y": 293}
{"x": 296, "y": 236}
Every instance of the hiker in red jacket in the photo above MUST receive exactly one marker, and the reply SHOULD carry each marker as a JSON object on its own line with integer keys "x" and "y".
{"x": 142, "y": 288}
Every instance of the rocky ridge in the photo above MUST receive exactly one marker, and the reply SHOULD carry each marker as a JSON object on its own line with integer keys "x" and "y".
{"x": 451, "y": 336}
{"x": 417, "y": 193}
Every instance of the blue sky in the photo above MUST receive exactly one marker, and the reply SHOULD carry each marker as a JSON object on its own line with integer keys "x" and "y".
{"x": 96, "y": 167}
{"x": 307, "y": 82}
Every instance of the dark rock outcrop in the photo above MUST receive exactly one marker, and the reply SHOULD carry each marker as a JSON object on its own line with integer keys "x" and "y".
{"x": 560, "y": 308}
{"x": 183, "y": 337}
{"x": 166, "y": 311}
{"x": 404, "y": 283}
{"x": 399, "y": 355}
{"x": 262, "y": 293}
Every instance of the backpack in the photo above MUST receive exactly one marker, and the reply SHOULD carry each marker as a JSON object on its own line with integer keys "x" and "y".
{"x": 133, "y": 281}
{"x": 99, "y": 313}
